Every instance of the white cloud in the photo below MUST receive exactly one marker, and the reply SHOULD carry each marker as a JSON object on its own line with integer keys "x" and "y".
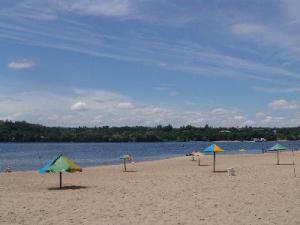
{"x": 219, "y": 111}
{"x": 96, "y": 7}
{"x": 79, "y": 106}
{"x": 239, "y": 118}
{"x": 21, "y": 64}
{"x": 125, "y": 105}
{"x": 279, "y": 89}
{"x": 106, "y": 108}
{"x": 249, "y": 123}
{"x": 97, "y": 119}
{"x": 264, "y": 35}
{"x": 282, "y": 104}
{"x": 260, "y": 114}
{"x": 274, "y": 121}
{"x": 102, "y": 108}
{"x": 267, "y": 120}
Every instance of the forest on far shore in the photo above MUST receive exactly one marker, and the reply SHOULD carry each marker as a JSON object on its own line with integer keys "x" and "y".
{"x": 26, "y": 132}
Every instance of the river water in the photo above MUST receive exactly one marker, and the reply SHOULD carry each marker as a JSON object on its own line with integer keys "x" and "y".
{"x": 32, "y": 156}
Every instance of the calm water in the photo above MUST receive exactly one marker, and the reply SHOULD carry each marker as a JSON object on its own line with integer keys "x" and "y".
{"x": 32, "y": 156}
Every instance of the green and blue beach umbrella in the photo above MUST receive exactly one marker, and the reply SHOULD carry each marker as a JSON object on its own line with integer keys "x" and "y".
{"x": 214, "y": 149}
{"x": 126, "y": 158}
{"x": 61, "y": 164}
{"x": 278, "y": 148}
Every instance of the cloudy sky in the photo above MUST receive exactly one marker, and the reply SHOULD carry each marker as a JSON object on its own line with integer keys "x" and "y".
{"x": 150, "y": 62}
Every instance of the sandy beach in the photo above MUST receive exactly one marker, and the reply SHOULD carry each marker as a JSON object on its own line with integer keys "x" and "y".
{"x": 170, "y": 192}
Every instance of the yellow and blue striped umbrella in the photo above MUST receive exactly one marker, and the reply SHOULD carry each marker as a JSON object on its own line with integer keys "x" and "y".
{"x": 214, "y": 148}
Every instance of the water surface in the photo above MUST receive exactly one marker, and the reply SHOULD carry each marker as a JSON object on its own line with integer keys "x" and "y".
{"x": 32, "y": 156}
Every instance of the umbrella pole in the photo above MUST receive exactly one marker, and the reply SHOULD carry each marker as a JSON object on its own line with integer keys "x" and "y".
{"x": 198, "y": 160}
{"x": 60, "y": 180}
{"x": 214, "y": 162}
{"x": 277, "y": 157}
{"x": 125, "y": 165}
{"x": 294, "y": 163}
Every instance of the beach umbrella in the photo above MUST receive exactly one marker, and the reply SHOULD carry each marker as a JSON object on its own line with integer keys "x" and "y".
{"x": 126, "y": 158}
{"x": 59, "y": 165}
{"x": 214, "y": 149}
{"x": 277, "y": 148}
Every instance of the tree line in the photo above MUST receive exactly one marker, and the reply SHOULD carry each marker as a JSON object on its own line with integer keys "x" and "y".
{"x": 21, "y": 131}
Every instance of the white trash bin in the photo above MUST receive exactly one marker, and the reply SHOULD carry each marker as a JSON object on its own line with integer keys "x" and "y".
{"x": 231, "y": 171}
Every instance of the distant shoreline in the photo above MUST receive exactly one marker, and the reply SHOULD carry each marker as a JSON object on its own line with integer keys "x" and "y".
{"x": 153, "y": 142}
{"x": 27, "y": 132}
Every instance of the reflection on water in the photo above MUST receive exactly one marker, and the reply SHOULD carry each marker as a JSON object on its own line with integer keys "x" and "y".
{"x": 32, "y": 156}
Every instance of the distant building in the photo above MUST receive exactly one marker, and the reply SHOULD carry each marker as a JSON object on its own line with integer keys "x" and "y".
{"x": 225, "y": 131}
{"x": 258, "y": 139}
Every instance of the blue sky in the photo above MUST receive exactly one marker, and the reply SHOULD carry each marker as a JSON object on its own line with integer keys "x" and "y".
{"x": 142, "y": 62}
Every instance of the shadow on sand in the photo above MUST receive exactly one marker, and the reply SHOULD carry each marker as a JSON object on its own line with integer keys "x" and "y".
{"x": 130, "y": 171}
{"x": 70, "y": 187}
{"x": 285, "y": 164}
{"x": 220, "y": 171}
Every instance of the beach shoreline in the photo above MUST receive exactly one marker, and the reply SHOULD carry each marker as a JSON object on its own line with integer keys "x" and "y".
{"x": 154, "y": 160}
{"x": 120, "y": 163}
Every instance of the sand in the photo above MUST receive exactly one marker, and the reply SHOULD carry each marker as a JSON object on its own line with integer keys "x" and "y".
{"x": 173, "y": 191}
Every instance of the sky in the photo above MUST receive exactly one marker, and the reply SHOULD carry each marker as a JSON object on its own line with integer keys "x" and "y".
{"x": 150, "y": 62}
